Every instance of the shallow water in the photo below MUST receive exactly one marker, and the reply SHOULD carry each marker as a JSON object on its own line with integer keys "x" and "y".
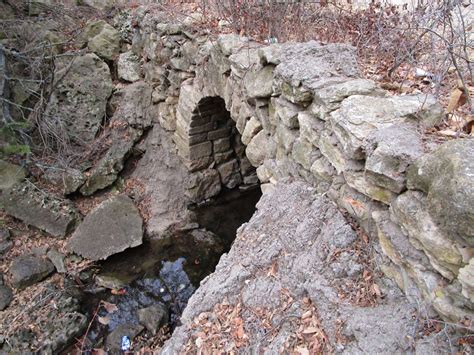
{"x": 167, "y": 271}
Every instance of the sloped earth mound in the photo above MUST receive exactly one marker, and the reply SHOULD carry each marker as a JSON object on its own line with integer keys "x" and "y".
{"x": 297, "y": 279}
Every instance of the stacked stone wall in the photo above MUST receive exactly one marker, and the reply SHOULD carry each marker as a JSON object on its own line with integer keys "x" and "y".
{"x": 302, "y": 110}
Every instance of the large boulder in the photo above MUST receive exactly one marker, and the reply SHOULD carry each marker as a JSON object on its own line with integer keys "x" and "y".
{"x": 78, "y": 102}
{"x": 131, "y": 116}
{"x": 447, "y": 177}
{"x": 102, "y": 39}
{"x": 110, "y": 228}
{"x": 39, "y": 209}
{"x": 28, "y": 269}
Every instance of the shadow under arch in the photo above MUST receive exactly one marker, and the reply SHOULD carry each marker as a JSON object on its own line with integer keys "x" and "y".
{"x": 211, "y": 148}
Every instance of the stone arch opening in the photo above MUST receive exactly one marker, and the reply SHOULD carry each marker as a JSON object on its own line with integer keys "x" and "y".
{"x": 211, "y": 147}
{"x": 223, "y": 186}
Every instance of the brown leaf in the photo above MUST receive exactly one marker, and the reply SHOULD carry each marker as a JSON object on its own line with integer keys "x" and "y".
{"x": 310, "y": 330}
{"x": 109, "y": 307}
{"x": 457, "y": 99}
{"x": 307, "y": 314}
{"x": 376, "y": 290}
{"x": 120, "y": 291}
{"x": 302, "y": 350}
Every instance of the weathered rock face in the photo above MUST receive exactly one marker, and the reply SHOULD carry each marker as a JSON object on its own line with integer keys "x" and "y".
{"x": 277, "y": 253}
{"x": 110, "y": 228}
{"x": 10, "y": 174}
{"x": 132, "y": 115}
{"x": 39, "y": 209}
{"x": 128, "y": 67}
{"x": 446, "y": 177}
{"x": 28, "y": 270}
{"x": 77, "y": 104}
{"x": 102, "y": 39}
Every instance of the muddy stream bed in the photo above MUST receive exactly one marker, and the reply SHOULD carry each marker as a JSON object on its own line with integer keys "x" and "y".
{"x": 151, "y": 284}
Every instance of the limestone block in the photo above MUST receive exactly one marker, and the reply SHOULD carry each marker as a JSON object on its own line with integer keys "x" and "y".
{"x": 262, "y": 113}
{"x": 310, "y": 127}
{"x": 228, "y": 43}
{"x": 230, "y": 173}
{"x": 219, "y": 133}
{"x": 106, "y": 170}
{"x": 330, "y": 148}
{"x": 329, "y": 97}
{"x": 410, "y": 212}
{"x": 128, "y": 67}
{"x": 133, "y": 105}
{"x": 117, "y": 222}
{"x": 155, "y": 73}
{"x": 245, "y": 166}
{"x": 258, "y": 83}
{"x": 203, "y": 184}
{"x": 221, "y": 145}
{"x": 251, "y": 179}
{"x": 389, "y": 153}
{"x": 307, "y": 63}
{"x": 252, "y": 127}
{"x": 180, "y": 63}
{"x": 39, "y": 209}
{"x": 271, "y": 54}
{"x": 10, "y": 174}
{"x": 360, "y": 116}
{"x": 286, "y": 112}
{"x": 305, "y": 153}
{"x": 27, "y": 270}
{"x": 358, "y": 205}
{"x": 285, "y": 138}
{"x": 446, "y": 175}
{"x": 296, "y": 94}
{"x": 261, "y": 147}
{"x": 222, "y": 157}
{"x": 197, "y": 164}
{"x": 102, "y": 39}
{"x": 166, "y": 116}
{"x": 79, "y": 99}
{"x": 358, "y": 181}
{"x": 199, "y": 150}
{"x": 322, "y": 169}
{"x": 242, "y": 60}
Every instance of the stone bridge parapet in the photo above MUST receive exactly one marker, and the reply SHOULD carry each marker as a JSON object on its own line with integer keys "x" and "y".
{"x": 242, "y": 113}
